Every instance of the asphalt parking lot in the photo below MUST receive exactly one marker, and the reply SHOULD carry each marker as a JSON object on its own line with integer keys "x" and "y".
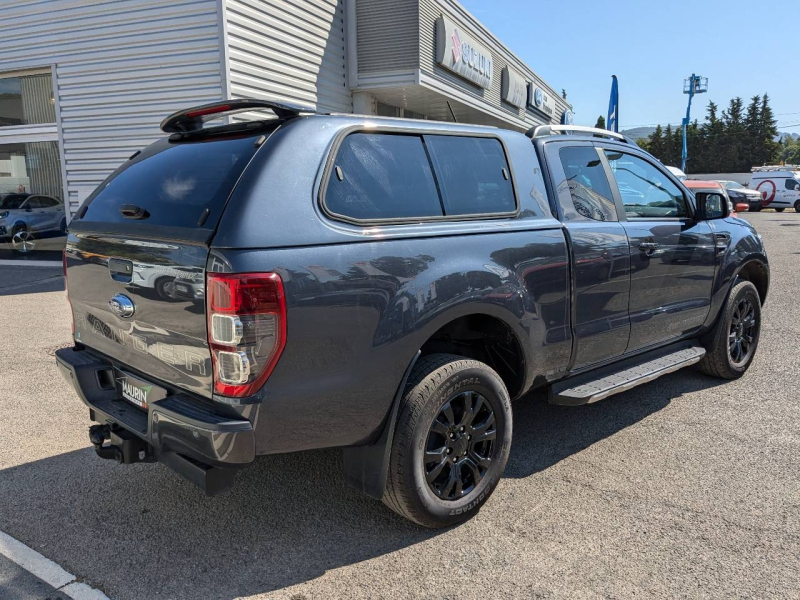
{"x": 685, "y": 487}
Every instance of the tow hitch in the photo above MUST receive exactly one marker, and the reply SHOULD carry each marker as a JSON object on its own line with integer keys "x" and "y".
{"x": 123, "y": 446}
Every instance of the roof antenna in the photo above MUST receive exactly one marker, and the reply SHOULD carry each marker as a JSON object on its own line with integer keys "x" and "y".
{"x": 451, "y": 111}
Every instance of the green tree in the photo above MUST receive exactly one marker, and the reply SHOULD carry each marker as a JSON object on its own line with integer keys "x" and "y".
{"x": 711, "y": 136}
{"x": 742, "y": 137}
{"x": 601, "y": 122}
{"x": 655, "y": 143}
{"x": 788, "y": 149}
{"x": 750, "y": 147}
{"x": 768, "y": 131}
{"x": 671, "y": 152}
{"x": 732, "y": 140}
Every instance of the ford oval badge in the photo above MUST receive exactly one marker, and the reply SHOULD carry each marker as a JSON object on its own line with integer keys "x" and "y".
{"x": 122, "y": 306}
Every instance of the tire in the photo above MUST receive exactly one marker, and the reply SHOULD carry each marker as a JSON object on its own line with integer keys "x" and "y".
{"x": 164, "y": 289}
{"x": 780, "y": 209}
{"x": 723, "y": 359}
{"x": 756, "y": 208}
{"x": 437, "y": 381}
{"x": 797, "y": 206}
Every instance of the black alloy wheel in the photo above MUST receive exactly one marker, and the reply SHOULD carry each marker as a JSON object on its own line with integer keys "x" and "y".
{"x": 451, "y": 441}
{"x": 460, "y": 445}
{"x": 732, "y": 344}
{"x": 742, "y": 332}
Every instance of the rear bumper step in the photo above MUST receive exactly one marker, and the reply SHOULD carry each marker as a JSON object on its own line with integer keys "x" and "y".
{"x": 179, "y": 430}
{"x": 613, "y": 379}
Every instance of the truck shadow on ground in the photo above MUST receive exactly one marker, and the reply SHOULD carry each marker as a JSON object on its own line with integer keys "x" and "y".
{"x": 142, "y": 532}
{"x": 20, "y": 280}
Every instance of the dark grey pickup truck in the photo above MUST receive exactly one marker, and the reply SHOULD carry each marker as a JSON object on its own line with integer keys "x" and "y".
{"x": 388, "y": 286}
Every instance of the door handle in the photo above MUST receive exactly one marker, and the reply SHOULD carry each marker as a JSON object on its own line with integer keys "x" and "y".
{"x": 648, "y": 247}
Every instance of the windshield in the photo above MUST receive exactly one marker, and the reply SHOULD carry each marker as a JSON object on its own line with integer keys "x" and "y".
{"x": 13, "y": 201}
{"x": 732, "y": 185}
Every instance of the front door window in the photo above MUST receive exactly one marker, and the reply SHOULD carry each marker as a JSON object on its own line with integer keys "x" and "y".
{"x": 646, "y": 191}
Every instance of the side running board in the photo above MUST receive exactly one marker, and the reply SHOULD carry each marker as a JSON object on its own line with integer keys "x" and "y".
{"x": 613, "y": 379}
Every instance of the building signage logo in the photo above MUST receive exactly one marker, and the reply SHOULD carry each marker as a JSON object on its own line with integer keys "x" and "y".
{"x": 457, "y": 51}
{"x": 515, "y": 89}
{"x": 538, "y": 100}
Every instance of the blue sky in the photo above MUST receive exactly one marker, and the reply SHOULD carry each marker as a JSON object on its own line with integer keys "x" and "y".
{"x": 744, "y": 48}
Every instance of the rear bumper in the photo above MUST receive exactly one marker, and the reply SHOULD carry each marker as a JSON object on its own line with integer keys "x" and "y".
{"x": 177, "y": 425}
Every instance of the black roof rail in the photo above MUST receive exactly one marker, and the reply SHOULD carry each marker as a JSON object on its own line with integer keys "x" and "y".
{"x": 192, "y": 119}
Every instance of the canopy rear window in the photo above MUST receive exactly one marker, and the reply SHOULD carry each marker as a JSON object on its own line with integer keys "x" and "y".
{"x": 173, "y": 183}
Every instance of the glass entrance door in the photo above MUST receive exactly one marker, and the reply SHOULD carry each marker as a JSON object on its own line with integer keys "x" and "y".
{"x": 33, "y": 217}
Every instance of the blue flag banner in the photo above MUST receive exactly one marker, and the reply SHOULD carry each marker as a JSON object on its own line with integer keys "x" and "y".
{"x": 612, "y": 123}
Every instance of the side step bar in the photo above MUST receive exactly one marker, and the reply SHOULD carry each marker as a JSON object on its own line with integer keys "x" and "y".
{"x": 613, "y": 379}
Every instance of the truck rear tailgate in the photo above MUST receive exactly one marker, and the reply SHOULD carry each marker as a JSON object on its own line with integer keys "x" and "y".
{"x": 137, "y": 251}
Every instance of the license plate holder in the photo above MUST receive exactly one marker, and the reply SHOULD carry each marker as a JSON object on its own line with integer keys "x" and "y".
{"x": 137, "y": 391}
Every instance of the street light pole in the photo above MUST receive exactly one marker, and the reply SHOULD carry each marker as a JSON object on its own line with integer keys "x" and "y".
{"x": 694, "y": 85}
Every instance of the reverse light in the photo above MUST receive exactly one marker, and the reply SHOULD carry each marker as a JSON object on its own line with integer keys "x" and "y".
{"x": 246, "y": 329}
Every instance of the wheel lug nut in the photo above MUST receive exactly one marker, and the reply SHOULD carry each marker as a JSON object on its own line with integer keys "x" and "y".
{"x": 463, "y": 428}
{"x": 449, "y": 450}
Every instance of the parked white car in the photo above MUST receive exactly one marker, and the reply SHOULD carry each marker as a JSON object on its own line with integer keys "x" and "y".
{"x": 779, "y": 186}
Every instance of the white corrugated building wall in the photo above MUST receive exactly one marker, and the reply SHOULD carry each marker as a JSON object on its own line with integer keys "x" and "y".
{"x": 119, "y": 67}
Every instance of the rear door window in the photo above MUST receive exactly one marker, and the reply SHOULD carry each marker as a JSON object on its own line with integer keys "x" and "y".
{"x": 473, "y": 175}
{"x": 378, "y": 176}
{"x": 175, "y": 182}
{"x": 588, "y": 185}
{"x": 46, "y": 202}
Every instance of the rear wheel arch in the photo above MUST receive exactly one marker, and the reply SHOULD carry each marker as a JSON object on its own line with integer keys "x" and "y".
{"x": 486, "y": 338}
{"x": 366, "y": 467}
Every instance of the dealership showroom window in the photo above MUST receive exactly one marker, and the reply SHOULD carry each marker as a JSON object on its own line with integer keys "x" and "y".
{"x": 32, "y": 216}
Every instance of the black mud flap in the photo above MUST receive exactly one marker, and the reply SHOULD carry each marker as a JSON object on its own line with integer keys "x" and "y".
{"x": 366, "y": 467}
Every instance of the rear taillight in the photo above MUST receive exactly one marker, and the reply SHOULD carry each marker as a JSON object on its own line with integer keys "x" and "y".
{"x": 246, "y": 329}
{"x": 66, "y": 287}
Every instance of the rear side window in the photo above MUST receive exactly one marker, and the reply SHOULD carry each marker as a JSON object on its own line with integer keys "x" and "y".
{"x": 46, "y": 202}
{"x": 382, "y": 176}
{"x": 379, "y": 176}
{"x": 175, "y": 182}
{"x": 588, "y": 185}
{"x": 473, "y": 174}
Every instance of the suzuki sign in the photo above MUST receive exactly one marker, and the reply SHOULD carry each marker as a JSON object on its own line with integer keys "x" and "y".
{"x": 458, "y": 51}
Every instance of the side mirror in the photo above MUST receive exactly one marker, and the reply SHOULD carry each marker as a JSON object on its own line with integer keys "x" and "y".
{"x": 711, "y": 205}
